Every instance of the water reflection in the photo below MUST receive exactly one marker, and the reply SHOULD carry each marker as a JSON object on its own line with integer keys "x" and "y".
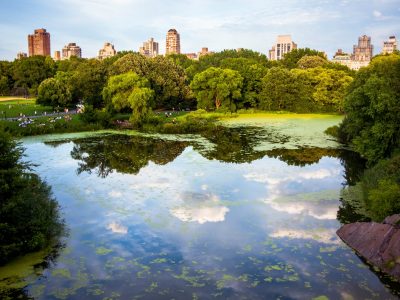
{"x": 188, "y": 220}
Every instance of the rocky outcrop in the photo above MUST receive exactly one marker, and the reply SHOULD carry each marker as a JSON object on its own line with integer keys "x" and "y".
{"x": 378, "y": 243}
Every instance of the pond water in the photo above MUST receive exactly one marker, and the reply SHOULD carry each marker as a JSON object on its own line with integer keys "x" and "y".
{"x": 244, "y": 213}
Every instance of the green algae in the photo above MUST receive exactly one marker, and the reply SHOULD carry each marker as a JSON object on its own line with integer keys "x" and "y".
{"x": 65, "y": 273}
{"x": 103, "y": 251}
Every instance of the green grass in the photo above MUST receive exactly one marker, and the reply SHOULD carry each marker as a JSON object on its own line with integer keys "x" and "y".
{"x": 13, "y": 108}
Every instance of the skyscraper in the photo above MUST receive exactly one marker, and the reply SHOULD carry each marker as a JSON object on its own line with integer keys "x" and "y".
{"x": 39, "y": 43}
{"x": 283, "y": 45}
{"x": 364, "y": 50}
{"x": 107, "y": 51}
{"x": 149, "y": 48}
{"x": 389, "y": 46}
{"x": 72, "y": 49}
{"x": 173, "y": 44}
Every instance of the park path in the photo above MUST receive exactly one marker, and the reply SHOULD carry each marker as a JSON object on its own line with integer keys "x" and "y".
{"x": 14, "y": 98}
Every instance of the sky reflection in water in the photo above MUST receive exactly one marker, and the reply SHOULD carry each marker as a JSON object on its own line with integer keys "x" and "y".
{"x": 195, "y": 227}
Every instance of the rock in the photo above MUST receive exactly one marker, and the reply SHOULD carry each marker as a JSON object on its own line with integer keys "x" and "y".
{"x": 378, "y": 243}
{"x": 393, "y": 220}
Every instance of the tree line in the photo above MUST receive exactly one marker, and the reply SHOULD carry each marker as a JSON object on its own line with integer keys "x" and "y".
{"x": 304, "y": 81}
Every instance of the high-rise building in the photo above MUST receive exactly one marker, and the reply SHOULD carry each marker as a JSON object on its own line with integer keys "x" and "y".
{"x": 57, "y": 55}
{"x": 283, "y": 45}
{"x": 364, "y": 50}
{"x": 108, "y": 50}
{"x": 173, "y": 45}
{"x": 72, "y": 49}
{"x": 39, "y": 43}
{"x": 149, "y": 48}
{"x": 21, "y": 55}
{"x": 389, "y": 46}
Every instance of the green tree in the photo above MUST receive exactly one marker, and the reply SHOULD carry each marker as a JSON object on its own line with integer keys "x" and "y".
{"x": 29, "y": 216}
{"x": 166, "y": 77}
{"x": 291, "y": 59}
{"x": 311, "y": 61}
{"x": 4, "y": 87}
{"x": 215, "y": 88}
{"x": 130, "y": 91}
{"x": 88, "y": 82}
{"x": 372, "y": 123}
{"x": 252, "y": 73}
{"x": 54, "y": 92}
{"x": 29, "y": 72}
{"x": 279, "y": 89}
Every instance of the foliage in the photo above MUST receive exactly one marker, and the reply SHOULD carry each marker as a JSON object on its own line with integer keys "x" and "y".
{"x": 130, "y": 91}
{"x": 54, "y": 92}
{"x": 216, "y": 60}
{"x": 279, "y": 89}
{"x": 311, "y": 61}
{"x": 372, "y": 123}
{"x": 291, "y": 58}
{"x": 309, "y": 90}
{"x": 29, "y": 216}
{"x": 377, "y": 194}
{"x": 29, "y": 72}
{"x": 252, "y": 74}
{"x": 166, "y": 78}
{"x": 217, "y": 88}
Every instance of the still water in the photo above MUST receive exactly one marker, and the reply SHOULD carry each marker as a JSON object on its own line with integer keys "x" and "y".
{"x": 246, "y": 213}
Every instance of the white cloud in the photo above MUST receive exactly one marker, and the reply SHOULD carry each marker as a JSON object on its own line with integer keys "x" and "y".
{"x": 326, "y": 236}
{"x": 117, "y": 228}
{"x": 377, "y": 14}
{"x": 115, "y": 194}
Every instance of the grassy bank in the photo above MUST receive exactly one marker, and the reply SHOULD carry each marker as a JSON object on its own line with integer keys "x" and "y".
{"x": 16, "y": 107}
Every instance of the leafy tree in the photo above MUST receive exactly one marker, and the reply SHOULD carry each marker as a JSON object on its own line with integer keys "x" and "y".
{"x": 29, "y": 72}
{"x": 88, "y": 82}
{"x": 4, "y": 87}
{"x": 29, "y": 216}
{"x": 252, "y": 74}
{"x": 279, "y": 89}
{"x": 215, "y": 88}
{"x": 330, "y": 87}
{"x": 311, "y": 61}
{"x": 130, "y": 91}
{"x": 6, "y": 81}
{"x": 372, "y": 123}
{"x": 291, "y": 58}
{"x": 54, "y": 92}
{"x": 166, "y": 78}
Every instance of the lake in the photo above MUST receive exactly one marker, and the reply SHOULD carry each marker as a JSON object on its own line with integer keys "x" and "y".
{"x": 248, "y": 212}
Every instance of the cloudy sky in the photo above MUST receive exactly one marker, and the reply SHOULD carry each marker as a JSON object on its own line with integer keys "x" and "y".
{"x": 218, "y": 24}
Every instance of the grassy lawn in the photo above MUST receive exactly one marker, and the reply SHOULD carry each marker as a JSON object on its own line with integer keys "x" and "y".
{"x": 13, "y": 108}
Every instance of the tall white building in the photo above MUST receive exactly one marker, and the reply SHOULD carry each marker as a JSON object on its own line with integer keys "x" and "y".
{"x": 108, "y": 50}
{"x": 389, "y": 46}
{"x": 149, "y": 48}
{"x": 283, "y": 45}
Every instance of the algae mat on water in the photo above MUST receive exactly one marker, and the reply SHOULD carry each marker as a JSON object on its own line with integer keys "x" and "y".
{"x": 290, "y": 131}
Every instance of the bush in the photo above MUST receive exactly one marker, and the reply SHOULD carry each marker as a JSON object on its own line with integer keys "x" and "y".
{"x": 29, "y": 216}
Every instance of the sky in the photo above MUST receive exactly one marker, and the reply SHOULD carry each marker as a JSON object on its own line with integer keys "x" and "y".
{"x": 325, "y": 25}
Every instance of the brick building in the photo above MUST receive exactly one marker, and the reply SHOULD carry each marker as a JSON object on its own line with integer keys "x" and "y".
{"x": 39, "y": 43}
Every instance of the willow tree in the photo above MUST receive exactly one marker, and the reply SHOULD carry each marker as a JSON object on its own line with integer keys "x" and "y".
{"x": 217, "y": 88}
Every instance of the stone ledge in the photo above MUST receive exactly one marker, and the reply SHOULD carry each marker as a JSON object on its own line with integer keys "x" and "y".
{"x": 378, "y": 243}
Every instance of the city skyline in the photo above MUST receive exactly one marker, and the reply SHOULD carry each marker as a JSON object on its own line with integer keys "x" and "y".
{"x": 321, "y": 25}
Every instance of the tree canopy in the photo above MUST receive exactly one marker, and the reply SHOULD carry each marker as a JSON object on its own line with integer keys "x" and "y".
{"x": 216, "y": 87}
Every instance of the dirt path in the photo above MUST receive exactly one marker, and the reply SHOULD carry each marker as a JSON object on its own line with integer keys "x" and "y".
{"x": 13, "y": 98}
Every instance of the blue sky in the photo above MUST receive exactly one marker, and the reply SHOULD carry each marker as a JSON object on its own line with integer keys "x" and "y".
{"x": 217, "y": 24}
